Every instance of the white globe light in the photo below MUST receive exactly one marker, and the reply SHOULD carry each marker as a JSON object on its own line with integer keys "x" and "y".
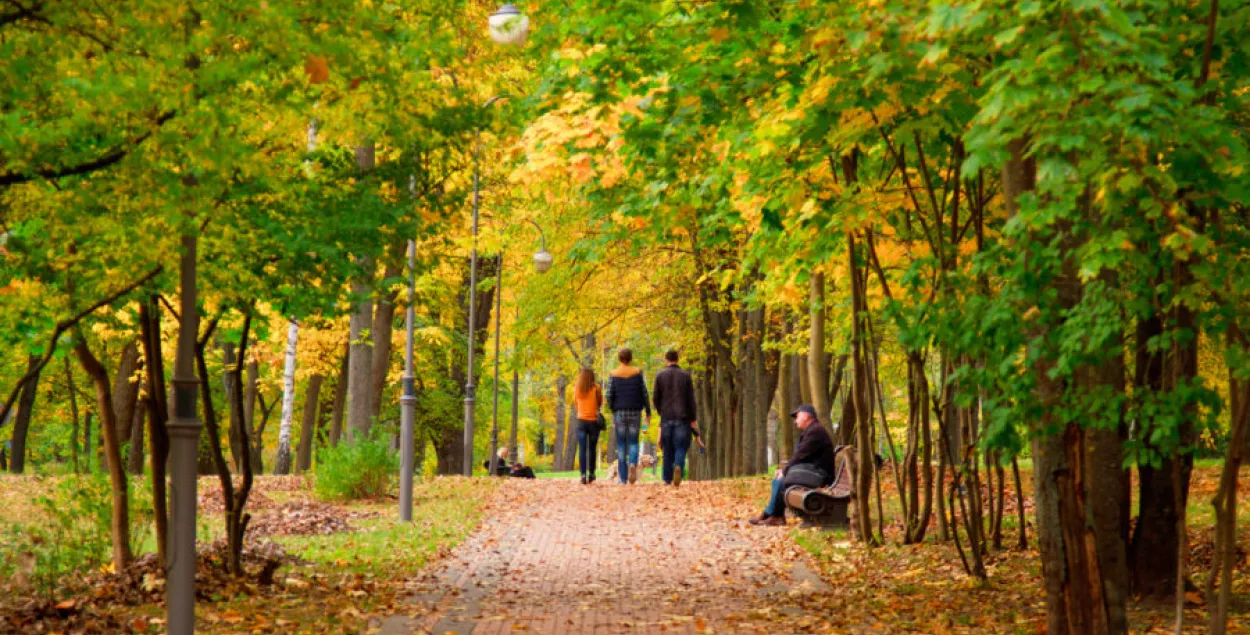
{"x": 509, "y": 26}
{"x": 543, "y": 260}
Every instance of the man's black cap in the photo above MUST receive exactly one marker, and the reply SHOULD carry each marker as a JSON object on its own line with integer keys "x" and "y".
{"x": 804, "y": 408}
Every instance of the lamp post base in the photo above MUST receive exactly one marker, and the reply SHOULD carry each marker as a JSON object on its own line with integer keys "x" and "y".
{"x": 184, "y": 441}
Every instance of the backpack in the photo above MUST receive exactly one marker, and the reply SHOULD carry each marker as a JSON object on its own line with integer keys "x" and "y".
{"x": 805, "y": 475}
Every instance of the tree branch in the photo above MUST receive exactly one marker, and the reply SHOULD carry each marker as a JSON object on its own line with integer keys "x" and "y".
{"x": 109, "y": 158}
{"x": 65, "y": 325}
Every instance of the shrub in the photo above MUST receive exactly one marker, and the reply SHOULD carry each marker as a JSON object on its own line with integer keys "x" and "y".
{"x": 74, "y": 536}
{"x": 365, "y": 468}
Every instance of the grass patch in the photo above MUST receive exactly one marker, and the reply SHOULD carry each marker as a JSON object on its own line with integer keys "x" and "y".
{"x": 444, "y": 512}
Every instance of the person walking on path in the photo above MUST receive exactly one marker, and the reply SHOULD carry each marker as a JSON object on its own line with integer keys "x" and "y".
{"x": 627, "y": 399}
{"x": 674, "y": 400}
{"x": 588, "y": 399}
{"x": 813, "y": 454}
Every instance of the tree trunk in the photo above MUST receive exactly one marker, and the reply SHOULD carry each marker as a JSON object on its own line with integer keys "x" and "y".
{"x": 73, "y": 410}
{"x": 765, "y": 385}
{"x": 251, "y": 390}
{"x": 865, "y": 463}
{"x": 1021, "y": 522}
{"x": 817, "y": 367}
{"x": 340, "y": 398}
{"x": 234, "y": 501}
{"x": 805, "y": 381}
{"x": 233, "y": 431}
{"x": 785, "y": 374}
{"x": 516, "y": 405}
{"x": 1154, "y": 577}
{"x": 360, "y": 376}
{"x": 134, "y": 459}
{"x": 120, "y": 525}
{"x": 21, "y": 421}
{"x": 1225, "y": 500}
{"x": 126, "y": 389}
{"x": 312, "y": 397}
{"x": 282, "y": 464}
{"x": 86, "y": 442}
{"x": 383, "y": 324}
{"x": 158, "y": 417}
{"x": 570, "y": 438}
{"x": 557, "y": 458}
{"x": 1109, "y": 494}
{"x": 749, "y": 390}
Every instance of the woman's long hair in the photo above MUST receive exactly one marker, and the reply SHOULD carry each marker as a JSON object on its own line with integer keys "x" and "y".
{"x": 585, "y": 382}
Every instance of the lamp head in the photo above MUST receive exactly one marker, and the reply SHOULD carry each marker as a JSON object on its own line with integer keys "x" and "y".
{"x": 509, "y": 26}
{"x": 543, "y": 260}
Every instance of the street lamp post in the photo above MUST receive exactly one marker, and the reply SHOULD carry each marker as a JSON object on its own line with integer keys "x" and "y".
{"x": 510, "y": 27}
{"x": 408, "y": 402}
{"x": 184, "y": 435}
{"x": 542, "y": 262}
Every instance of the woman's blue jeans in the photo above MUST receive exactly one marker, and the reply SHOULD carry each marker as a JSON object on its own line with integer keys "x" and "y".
{"x": 627, "y": 423}
{"x": 587, "y": 446}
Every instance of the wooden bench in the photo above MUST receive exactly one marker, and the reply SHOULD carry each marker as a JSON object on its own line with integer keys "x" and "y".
{"x": 826, "y": 507}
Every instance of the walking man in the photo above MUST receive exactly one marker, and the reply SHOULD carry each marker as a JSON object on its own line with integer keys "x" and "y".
{"x": 674, "y": 400}
{"x": 627, "y": 399}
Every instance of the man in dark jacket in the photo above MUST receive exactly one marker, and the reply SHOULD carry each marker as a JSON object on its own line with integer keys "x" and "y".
{"x": 674, "y": 400}
{"x": 814, "y": 451}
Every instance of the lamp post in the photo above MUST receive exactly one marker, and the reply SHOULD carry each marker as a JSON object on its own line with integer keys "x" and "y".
{"x": 542, "y": 262}
{"x": 184, "y": 435}
{"x": 510, "y": 27}
{"x": 408, "y": 402}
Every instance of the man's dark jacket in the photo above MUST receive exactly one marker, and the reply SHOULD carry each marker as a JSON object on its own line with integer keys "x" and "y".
{"x": 815, "y": 448}
{"x": 674, "y": 395}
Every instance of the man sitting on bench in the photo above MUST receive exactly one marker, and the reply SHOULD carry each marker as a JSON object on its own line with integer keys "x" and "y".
{"x": 811, "y": 465}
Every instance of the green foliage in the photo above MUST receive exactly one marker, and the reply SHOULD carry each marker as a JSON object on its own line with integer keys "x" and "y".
{"x": 366, "y": 468}
{"x": 72, "y": 536}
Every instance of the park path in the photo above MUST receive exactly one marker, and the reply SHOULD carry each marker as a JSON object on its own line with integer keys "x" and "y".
{"x": 553, "y": 556}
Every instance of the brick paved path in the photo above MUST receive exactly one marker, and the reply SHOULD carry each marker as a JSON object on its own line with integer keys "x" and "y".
{"x": 558, "y": 557}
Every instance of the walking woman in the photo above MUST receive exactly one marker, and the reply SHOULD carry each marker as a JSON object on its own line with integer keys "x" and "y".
{"x": 589, "y": 399}
{"x": 627, "y": 399}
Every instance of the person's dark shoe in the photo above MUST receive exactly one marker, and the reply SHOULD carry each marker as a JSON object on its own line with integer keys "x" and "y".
{"x": 677, "y": 477}
{"x": 583, "y": 480}
{"x": 592, "y": 479}
{"x": 759, "y": 520}
{"x": 774, "y": 521}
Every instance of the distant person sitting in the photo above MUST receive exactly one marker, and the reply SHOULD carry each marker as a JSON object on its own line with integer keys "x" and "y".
{"x": 504, "y": 468}
{"x": 811, "y": 465}
{"x": 518, "y": 469}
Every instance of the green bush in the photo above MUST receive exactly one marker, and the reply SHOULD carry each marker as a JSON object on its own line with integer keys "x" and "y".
{"x": 366, "y": 468}
{"x": 74, "y": 536}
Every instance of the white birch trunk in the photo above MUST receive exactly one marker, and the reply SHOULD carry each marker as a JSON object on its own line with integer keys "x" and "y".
{"x": 282, "y": 465}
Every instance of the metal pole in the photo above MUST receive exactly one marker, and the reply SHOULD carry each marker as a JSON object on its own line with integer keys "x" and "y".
{"x": 494, "y": 426}
{"x": 469, "y": 388}
{"x": 469, "y": 400}
{"x": 408, "y": 402}
{"x": 516, "y": 398}
{"x": 184, "y": 435}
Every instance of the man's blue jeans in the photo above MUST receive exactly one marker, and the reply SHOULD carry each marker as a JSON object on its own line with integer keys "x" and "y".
{"x": 777, "y": 502}
{"x": 627, "y": 431}
{"x": 587, "y": 446}
{"x": 675, "y": 441}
